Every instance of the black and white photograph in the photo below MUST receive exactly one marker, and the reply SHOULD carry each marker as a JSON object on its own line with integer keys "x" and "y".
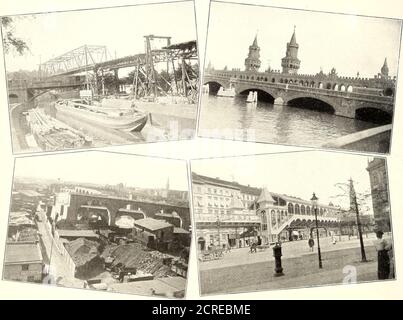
{"x": 298, "y": 77}
{"x": 291, "y": 220}
{"x": 126, "y": 230}
{"x": 119, "y": 75}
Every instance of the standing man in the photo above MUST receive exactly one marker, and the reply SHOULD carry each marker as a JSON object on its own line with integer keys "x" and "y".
{"x": 311, "y": 243}
{"x": 382, "y": 247}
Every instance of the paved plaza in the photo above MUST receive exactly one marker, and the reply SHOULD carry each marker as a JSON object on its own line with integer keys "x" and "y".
{"x": 241, "y": 271}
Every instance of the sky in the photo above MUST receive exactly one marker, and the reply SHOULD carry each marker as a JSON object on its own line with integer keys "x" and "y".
{"x": 120, "y": 29}
{"x": 296, "y": 174}
{"x": 106, "y": 168}
{"x": 349, "y": 43}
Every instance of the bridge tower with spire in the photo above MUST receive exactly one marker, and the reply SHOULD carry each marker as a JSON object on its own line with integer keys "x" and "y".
{"x": 385, "y": 69}
{"x": 252, "y": 62}
{"x": 290, "y": 63}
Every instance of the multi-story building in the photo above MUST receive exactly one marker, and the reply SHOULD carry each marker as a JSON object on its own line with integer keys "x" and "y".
{"x": 23, "y": 262}
{"x": 223, "y": 213}
{"x": 230, "y": 214}
{"x": 380, "y": 193}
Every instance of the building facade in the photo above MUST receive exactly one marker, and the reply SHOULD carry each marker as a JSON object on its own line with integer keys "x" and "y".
{"x": 228, "y": 214}
{"x": 285, "y": 217}
{"x": 23, "y": 262}
{"x": 222, "y": 212}
{"x": 380, "y": 193}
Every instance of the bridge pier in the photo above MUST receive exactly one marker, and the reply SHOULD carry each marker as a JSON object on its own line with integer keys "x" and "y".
{"x": 20, "y": 95}
{"x": 345, "y": 109}
{"x": 279, "y": 101}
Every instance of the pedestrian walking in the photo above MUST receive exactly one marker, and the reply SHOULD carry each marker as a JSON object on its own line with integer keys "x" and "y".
{"x": 311, "y": 244}
{"x": 382, "y": 247}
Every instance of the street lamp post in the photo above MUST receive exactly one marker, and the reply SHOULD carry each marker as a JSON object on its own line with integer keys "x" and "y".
{"x": 314, "y": 200}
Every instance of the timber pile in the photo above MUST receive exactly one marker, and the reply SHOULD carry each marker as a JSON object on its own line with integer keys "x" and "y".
{"x": 135, "y": 256}
{"x": 52, "y": 134}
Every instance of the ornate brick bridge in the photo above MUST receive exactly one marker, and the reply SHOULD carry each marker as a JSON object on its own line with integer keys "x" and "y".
{"x": 113, "y": 205}
{"x": 342, "y": 96}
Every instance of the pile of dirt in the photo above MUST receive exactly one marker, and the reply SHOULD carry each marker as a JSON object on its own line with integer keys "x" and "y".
{"x": 86, "y": 257}
{"x": 136, "y": 256}
{"x": 82, "y": 250}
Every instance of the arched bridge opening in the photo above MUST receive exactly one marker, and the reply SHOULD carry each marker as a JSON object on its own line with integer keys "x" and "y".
{"x": 95, "y": 216}
{"x": 311, "y": 104}
{"x": 213, "y": 87}
{"x": 261, "y": 95}
{"x": 373, "y": 115}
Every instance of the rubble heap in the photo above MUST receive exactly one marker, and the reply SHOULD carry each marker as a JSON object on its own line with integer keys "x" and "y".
{"x": 86, "y": 257}
{"x": 135, "y": 256}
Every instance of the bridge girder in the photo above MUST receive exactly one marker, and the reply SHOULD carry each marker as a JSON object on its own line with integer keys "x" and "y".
{"x": 81, "y": 59}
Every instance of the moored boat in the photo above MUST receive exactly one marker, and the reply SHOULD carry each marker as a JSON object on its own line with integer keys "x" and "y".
{"x": 252, "y": 97}
{"x": 230, "y": 92}
{"x": 125, "y": 118}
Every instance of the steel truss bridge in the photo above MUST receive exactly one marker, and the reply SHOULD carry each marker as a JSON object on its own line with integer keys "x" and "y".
{"x": 178, "y": 60}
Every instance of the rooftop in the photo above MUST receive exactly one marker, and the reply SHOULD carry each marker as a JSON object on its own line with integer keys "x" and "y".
{"x": 265, "y": 196}
{"x": 30, "y": 193}
{"x": 93, "y": 207}
{"x": 152, "y": 224}
{"x": 20, "y": 218}
{"x": 247, "y": 189}
{"x": 77, "y": 233}
{"x": 180, "y": 231}
{"x": 22, "y": 252}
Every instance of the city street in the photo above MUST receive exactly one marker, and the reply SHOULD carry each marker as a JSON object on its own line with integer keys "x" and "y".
{"x": 241, "y": 271}
{"x": 57, "y": 264}
{"x": 289, "y": 250}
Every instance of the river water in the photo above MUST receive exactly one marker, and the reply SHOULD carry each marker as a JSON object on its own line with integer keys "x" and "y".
{"x": 167, "y": 122}
{"x": 233, "y": 118}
